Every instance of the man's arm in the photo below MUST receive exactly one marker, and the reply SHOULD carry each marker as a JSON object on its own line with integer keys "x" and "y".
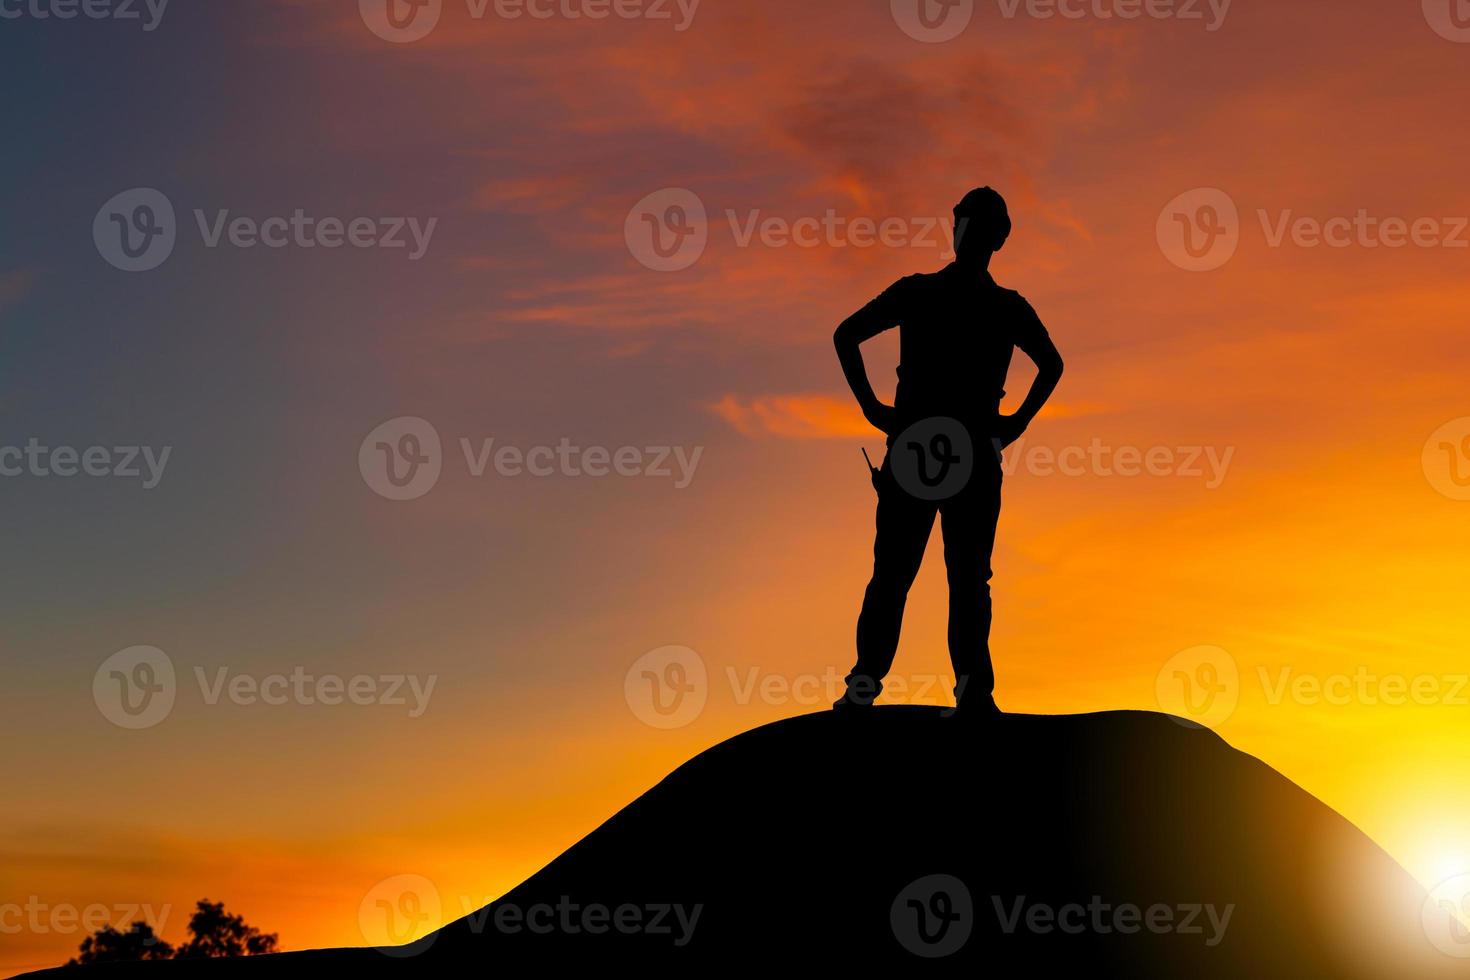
{"x": 1036, "y": 344}
{"x": 865, "y": 324}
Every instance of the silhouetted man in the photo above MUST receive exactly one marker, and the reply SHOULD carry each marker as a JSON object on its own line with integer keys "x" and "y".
{"x": 957, "y": 333}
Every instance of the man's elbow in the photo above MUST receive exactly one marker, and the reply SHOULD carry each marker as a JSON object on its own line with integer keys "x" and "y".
{"x": 1051, "y": 365}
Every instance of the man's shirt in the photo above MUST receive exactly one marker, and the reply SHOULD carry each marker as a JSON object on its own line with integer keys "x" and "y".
{"x": 957, "y": 332}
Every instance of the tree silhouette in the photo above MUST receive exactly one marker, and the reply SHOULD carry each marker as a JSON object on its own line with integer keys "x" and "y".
{"x": 215, "y": 933}
{"x": 212, "y": 933}
{"x": 107, "y": 945}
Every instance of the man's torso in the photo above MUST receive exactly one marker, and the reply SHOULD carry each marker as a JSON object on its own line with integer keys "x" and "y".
{"x": 957, "y": 334}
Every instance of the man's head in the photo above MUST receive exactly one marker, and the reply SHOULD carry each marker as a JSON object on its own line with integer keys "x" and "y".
{"x": 981, "y": 223}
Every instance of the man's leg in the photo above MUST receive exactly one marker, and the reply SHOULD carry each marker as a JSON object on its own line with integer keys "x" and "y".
{"x": 904, "y": 523}
{"x": 968, "y": 526}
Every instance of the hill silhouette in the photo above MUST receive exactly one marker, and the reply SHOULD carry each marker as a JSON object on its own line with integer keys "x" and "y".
{"x": 817, "y": 841}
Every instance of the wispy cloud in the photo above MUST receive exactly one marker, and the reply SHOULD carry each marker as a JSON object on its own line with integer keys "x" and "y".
{"x": 794, "y": 416}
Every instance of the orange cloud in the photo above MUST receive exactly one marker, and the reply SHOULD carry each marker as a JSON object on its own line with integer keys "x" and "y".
{"x": 534, "y": 194}
{"x": 794, "y": 417}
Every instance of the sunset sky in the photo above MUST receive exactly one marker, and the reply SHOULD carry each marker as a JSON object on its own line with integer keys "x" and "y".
{"x": 1301, "y": 516}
